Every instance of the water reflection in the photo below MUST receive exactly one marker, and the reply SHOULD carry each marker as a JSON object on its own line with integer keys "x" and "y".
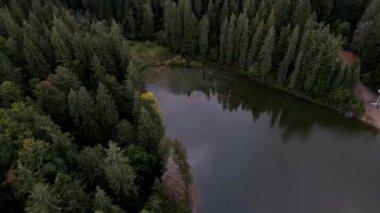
{"x": 255, "y": 149}
{"x": 233, "y": 92}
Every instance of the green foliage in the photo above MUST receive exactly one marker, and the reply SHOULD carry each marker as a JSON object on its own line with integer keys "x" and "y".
{"x": 255, "y": 44}
{"x": 83, "y": 112}
{"x": 10, "y": 93}
{"x": 124, "y": 134}
{"x": 177, "y": 60}
{"x": 42, "y": 199}
{"x": 71, "y": 193}
{"x": 289, "y": 56}
{"x": 103, "y": 203}
{"x": 223, "y": 42}
{"x": 230, "y": 46}
{"x": 70, "y": 61}
{"x": 262, "y": 66}
{"x": 108, "y": 115}
{"x": 204, "y": 30}
{"x": 36, "y": 62}
{"x": 120, "y": 176}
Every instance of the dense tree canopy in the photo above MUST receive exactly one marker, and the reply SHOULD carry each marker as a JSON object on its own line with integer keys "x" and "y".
{"x": 78, "y": 131}
{"x": 77, "y": 127}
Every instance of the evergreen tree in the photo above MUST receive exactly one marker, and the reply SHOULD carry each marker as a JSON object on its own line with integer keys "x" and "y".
{"x": 51, "y": 100}
{"x": 82, "y": 109}
{"x": 194, "y": 34}
{"x": 296, "y": 71}
{"x": 98, "y": 71}
{"x": 65, "y": 80}
{"x": 230, "y": 47}
{"x": 289, "y": 56}
{"x": 71, "y": 193}
{"x": 130, "y": 22}
{"x": 225, "y": 12}
{"x": 223, "y": 42}
{"x": 244, "y": 40}
{"x": 204, "y": 36}
{"x": 312, "y": 74}
{"x": 10, "y": 93}
{"x": 174, "y": 186}
{"x": 148, "y": 20}
{"x": 124, "y": 134}
{"x": 103, "y": 203}
{"x": 265, "y": 56}
{"x": 36, "y": 62}
{"x": 255, "y": 44}
{"x": 119, "y": 174}
{"x": 198, "y": 6}
{"x": 42, "y": 199}
{"x": 271, "y": 21}
{"x": 62, "y": 39}
{"x": 281, "y": 47}
{"x": 106, "y": 110}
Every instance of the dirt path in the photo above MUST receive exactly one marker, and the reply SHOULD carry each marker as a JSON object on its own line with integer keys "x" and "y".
{"x": 372, "y": 115}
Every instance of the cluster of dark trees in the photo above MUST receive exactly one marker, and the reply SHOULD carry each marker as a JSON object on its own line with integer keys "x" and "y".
{"x": 280, "y": 42}
{"x": 78, "y": 131}
{"x": 366, "y": 42}
{"x": 292, "y": 43}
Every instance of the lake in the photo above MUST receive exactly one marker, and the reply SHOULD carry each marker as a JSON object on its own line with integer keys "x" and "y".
{"x": 256, "y": 149}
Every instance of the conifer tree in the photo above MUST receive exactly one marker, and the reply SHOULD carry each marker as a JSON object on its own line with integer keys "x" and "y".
{"x": 212, "y": 16}
{"x": 62, "y": 39}
{"x": 103, "y": 203}
{"x": 265, "y": 56}
{"x": 225, "y": 12}
{"x": 198, "y": 6}
{"x": 244, "y": 41}
{"x": 42, "y": 199}
{"x": 289, "y": 56}
{"x": 169, "y": 12}
{"x": 271, "y": 21}
{"x": 174, "y": 186}
{"x": 82, "y": 109}
{"x": 177, "y": 30}
{"x": 281, "y": 47}
{"x": 36, "y": 62}
{"x": 51, "y": 100}
{"x": 194, "y": 34}
{"x": 106, "y": 110}
{"x": 204, "y": 31}
{"x": 296, "y": 71}
{"x": 119, "y": 174}
{"x": 230, "y": 47}
{"x": 148, "y": 20}
{"x": 339, "y": 77}
{"x": 255, "y": 44}
{"x": 187, "y": 26}
{"x": 223, "y": 41}
{"x": 312, "y": 74}
{"x": 130, "y": 22}
{"x": 98, "y": 71}
{"x": 10, "y": 93}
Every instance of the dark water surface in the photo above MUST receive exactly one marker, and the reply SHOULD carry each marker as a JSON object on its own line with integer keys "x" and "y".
{"x": 256, "y": 149}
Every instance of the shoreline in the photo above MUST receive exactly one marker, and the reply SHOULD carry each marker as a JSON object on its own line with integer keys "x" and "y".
{"x": 370, "y": 117}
